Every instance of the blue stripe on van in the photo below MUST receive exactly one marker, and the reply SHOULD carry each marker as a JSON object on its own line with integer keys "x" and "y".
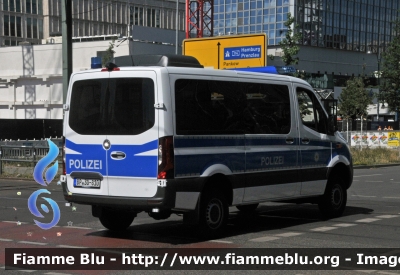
{"x": 208, "y": 141}
{"x": 93, "y": 158}
{"x": 144, "y": 166}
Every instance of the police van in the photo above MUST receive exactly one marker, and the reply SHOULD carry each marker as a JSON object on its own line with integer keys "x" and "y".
{"x": 164, "y": 135}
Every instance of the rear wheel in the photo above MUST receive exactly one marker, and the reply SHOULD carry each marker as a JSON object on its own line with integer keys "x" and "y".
{"x": 214, "y": 212}
{"x": 333, "y": 202}
{"x": 247, "y": 207}
{"x": 116, "y": 220}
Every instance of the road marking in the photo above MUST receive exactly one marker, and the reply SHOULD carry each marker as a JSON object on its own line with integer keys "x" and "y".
{"x": 374, "y": 181}
{"x": 391, "y": 197}
{"x": 388, "y": 273}
{"x": 6, "y": 240}
{"x": 70, "y": 246}
{"x": 363, "y": 196}
{"x": 36, "y": 243}
{"x": 368, "y": 220}
{"x": 344, "y": 224}
{"x": 323, "y": 228}
{"x": 77, "y": 227}
{"x": 367, "y": 175}
{"x": 264, "y": 239}
{"x": 55, "y": 273}
{"x": 15, "y": 222}
{"x": 288, "y": 234}
{"x": 387, "y": 216}
{"x": 29, "y": 271}
{"x": 218, "y": 241}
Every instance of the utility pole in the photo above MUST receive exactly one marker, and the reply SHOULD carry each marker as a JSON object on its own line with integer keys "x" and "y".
{"x": 66, "y": 21}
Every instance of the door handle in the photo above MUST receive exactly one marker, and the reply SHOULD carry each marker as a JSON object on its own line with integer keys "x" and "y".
{"x": 289, "y": 140}
{"x": 118, "y": 155}
{"x": 305, "y": 140}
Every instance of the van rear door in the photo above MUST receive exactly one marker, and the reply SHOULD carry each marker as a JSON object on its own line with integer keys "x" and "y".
{"x": 132, "y": 159}
{"x": 112, "y": 134}
{"x": 85, "y": 132}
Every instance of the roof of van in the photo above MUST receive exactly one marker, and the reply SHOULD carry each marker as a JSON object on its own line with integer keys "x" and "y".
{"x": 186, "y": 65}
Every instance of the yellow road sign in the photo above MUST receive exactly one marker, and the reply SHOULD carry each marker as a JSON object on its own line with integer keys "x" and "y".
{"x": 228, "y": 52}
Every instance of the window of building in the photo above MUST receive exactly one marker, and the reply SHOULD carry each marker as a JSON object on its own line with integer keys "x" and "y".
{"x": 35, "y": 28}
{"x": 19, "y": 27}
{"x": 28, "y": 27}
{"x": 6, "y": 25}
{"x": 12, "y": 25}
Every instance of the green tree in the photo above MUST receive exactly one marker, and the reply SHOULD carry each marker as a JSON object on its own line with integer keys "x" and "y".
{"x": 390, "y": 83}
{"x": 354, "y": 99}
{"x": 289, "y": 44}
{"x": 109, "y": 54}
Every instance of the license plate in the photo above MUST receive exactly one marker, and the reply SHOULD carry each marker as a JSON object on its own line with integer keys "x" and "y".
{"x": 87, "y": 183}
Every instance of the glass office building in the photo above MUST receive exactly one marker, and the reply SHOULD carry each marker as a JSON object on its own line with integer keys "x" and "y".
{"x": 353, "y": 25}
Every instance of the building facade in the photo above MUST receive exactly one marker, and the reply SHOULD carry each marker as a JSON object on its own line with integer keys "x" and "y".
{"x": 33, "y": 20}
{"x": 356, "y": 25}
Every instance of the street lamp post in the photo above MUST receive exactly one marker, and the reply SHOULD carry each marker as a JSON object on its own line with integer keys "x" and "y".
{"x": 378, "y": 57}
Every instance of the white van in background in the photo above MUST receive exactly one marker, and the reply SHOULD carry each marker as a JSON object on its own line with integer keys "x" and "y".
{"x": 163, "y": 135}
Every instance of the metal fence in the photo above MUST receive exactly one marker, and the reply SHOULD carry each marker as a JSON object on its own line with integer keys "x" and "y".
{"x": 373, "y": 139}
{"x": 26, "y": 151}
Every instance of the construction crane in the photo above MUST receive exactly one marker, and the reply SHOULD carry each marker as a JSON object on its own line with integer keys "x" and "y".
{"x": 199, "y": 18}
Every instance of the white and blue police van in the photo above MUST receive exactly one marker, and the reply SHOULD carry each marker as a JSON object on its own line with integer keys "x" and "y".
{"x": 164, "y": 135}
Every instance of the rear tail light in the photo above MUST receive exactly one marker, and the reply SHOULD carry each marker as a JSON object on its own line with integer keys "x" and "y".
{"x": 165, "y": 158}
{"x": 63, "y": 156}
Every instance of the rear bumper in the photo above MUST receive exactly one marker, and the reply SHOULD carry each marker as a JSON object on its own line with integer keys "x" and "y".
{"x": 166, "y": 198}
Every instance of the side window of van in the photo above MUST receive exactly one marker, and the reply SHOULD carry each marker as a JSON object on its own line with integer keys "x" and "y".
{"x": 311, "y": 112}
{"x": 209, "y": 107}
{"x": 268, "y": 109}
{"x": 228, "y": 107}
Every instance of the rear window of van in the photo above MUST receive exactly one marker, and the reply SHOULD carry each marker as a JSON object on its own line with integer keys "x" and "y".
{"x": 112, "y": 106}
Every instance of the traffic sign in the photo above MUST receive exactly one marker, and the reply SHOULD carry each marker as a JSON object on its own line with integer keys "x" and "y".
{"x": 228, "y": 52}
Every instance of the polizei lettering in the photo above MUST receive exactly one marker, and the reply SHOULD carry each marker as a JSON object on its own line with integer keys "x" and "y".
{"x": 276, "y": 160}
{"x": 90, "y": 164}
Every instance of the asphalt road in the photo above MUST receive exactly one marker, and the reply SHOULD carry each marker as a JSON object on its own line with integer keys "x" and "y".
{"x": 371, "y": 220}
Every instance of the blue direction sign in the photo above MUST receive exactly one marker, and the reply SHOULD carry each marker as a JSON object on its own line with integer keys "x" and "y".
{"x": 245, "y": 52}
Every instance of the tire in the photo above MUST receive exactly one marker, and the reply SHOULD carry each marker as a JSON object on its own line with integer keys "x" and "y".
{"x": 214, "y": 213}
{"x": 116, "y": 220}
{"x": 247, "y": 207}
{"x": 333, "y": 202}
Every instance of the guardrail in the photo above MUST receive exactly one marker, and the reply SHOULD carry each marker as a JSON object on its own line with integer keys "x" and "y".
{"x": 26, "y": 151}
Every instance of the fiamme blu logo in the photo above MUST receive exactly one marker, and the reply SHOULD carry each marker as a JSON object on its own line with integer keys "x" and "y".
{"x": 44, "y": 177}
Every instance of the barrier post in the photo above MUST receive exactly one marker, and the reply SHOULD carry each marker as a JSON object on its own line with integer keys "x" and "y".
{"x": 1, "y": 162}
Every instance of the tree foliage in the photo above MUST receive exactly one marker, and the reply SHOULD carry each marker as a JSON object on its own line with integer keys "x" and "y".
{"x": 354, "y": 99}
{"x": 109, "y": 54}
{"x": 289, "y": 44}
{"x": 390, "y": 83}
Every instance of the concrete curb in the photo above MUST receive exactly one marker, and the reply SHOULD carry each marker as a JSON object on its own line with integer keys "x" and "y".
{"x": 375, "y": 166}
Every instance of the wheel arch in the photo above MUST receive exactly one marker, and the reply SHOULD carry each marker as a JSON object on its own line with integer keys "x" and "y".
{"x": 344, "y": 170}
{"x": 219, "y": 182}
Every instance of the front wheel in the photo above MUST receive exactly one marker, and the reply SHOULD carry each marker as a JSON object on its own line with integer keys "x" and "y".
{"x": 213, "y": 212}
{"x": 333, "y": 202}
{"x": 116, "y": 220}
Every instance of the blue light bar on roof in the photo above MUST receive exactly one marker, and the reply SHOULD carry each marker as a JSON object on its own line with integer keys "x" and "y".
{"x": 287, "y": 70}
